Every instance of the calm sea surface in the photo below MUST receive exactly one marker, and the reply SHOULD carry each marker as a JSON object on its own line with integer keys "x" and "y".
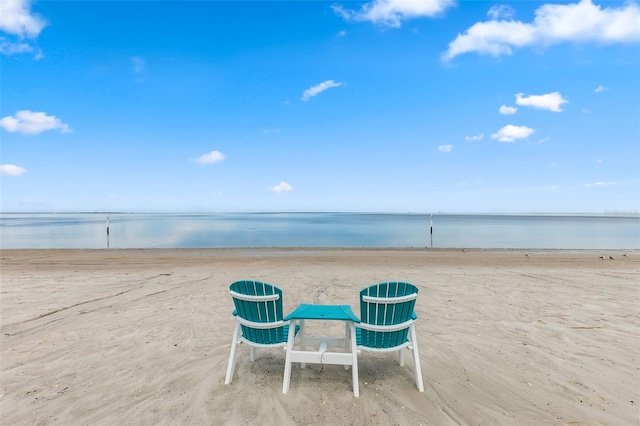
{"x": 204, "y": 230}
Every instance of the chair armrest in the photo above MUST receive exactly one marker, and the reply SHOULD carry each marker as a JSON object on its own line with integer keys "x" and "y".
{"x": 385, "y": 328}
{"x": 261, "y": 325}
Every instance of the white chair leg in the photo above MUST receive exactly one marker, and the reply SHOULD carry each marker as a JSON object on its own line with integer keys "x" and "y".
{"x": 232, "y": 355}
{"x": 416, "y": 359}
{"x": 252, "y": 353}
{"x": 401, "y": 357}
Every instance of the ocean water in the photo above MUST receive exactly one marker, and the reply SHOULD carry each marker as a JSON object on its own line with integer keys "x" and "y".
{"x": 213, "y": 230}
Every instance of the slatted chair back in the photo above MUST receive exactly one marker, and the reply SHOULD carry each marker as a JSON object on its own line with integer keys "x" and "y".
{"x": 386, "y": 314}
{"x": 256, "y": 305}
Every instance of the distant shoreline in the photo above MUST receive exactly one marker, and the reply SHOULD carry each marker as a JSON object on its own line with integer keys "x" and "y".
{"x": 463, "y": 254}
{"x": 605, "y": 213}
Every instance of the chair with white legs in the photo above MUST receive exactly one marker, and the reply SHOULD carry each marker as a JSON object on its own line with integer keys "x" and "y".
{"x": 258, "y": 319}
{"x": 387, "y": 322}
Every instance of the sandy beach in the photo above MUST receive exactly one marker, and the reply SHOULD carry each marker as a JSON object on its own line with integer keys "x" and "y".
{"x": 142, "y": 337}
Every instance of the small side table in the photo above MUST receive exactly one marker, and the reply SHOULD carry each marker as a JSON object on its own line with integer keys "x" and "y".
{"x": 320, "y": 355}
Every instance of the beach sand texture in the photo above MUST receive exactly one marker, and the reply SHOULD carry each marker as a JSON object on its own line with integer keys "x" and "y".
{"x": 141, "y": 337}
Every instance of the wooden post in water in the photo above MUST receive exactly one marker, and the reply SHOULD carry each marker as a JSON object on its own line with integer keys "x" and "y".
{"x": 107, "y": 230}
{"x": 431, "y": 230}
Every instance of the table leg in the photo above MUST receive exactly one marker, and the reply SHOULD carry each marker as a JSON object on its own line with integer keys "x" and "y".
{"x": 287, "y": 361}
{"x": 302, "y": 345}
{"x": 354, "y": 353}
{"x": 347, "y": 340}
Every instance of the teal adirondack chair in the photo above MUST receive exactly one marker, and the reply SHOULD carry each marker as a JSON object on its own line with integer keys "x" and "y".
{"x": 258, "y": 315}
{"x": 387, "y": 322}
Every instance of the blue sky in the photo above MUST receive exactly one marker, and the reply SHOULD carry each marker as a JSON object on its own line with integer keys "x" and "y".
{"x": 388, "y": 106}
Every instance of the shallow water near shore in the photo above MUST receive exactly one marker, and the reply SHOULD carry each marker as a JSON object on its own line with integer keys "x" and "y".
{"x": 228, "y": 230}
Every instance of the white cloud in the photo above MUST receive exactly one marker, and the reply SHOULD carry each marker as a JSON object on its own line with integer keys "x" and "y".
{"x": 16, "y": 18}
{"x": 467, "y": 184}
{"x": 342, "y": 33}
{"x": 10, "y": 48}
{"x": 138, "y": 64}
{"x": 32, "y": 123}
{"x": 500, "y": 11}
{"x": 474, "y": 138}
{"x": 445, "y": 148}
{"x": 508, "y": 110}
{"x": 510, "y": 133}
{"x": 541, "y": 141}
{"x": 17, "y": 21}
{"x": 281, "y": 187}
{"x": 585, "y": 111}
{"x": 553, "y": 24}
{"x": 11, "y": 170}
{"x": 601, "y": 88}
{"x": 597, "y": 184}
{"x": 210, "y": 157}
{"x": 391, "y": 13}
{"x": 550, "y": 101}
{"x": 319, "y": 88}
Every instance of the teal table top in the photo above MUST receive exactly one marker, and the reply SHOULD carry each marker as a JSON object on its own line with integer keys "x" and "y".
{"x": 323, "y": 312}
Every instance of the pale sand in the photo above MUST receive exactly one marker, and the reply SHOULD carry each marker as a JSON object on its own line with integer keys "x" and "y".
{"x": 142, "y": 337}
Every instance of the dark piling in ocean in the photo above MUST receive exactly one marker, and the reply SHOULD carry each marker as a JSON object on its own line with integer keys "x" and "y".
{"x": 107, "y": 230}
